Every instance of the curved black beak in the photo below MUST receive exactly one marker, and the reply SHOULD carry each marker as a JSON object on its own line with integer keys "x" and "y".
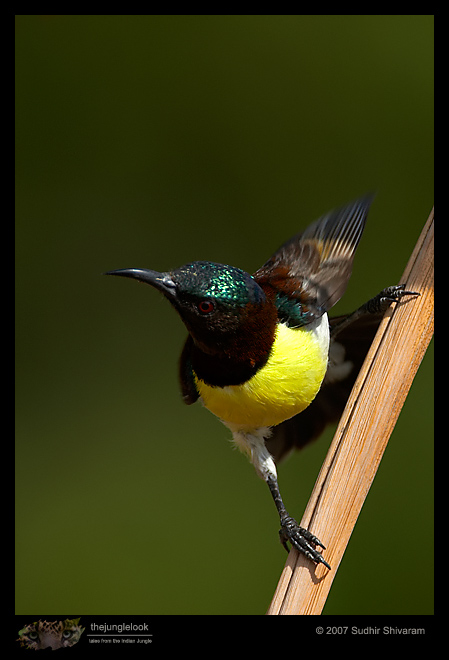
{"x": 161, "y": 281}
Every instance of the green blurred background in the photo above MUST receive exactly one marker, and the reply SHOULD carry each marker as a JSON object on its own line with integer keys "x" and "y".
{"x": 151, "y": 141}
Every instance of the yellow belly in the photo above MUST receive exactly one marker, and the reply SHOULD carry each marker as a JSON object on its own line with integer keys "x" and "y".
{"x": 284, "y": 387}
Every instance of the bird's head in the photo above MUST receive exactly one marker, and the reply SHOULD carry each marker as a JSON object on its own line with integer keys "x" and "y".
{"x": 216, "y": 302}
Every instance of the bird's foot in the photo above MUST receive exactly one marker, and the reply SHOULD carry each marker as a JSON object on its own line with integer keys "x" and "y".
{"x": 388, "y": 295}
{"x": 301, "y": 539}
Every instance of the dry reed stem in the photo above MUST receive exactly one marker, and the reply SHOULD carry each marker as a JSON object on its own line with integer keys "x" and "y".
{"x": 362, "y": 435}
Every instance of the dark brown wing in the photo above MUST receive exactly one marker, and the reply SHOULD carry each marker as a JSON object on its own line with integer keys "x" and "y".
{"x": 314, "y": 266}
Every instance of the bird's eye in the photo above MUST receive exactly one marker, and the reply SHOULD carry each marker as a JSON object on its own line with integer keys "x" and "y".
{"x": 206, "y": 307}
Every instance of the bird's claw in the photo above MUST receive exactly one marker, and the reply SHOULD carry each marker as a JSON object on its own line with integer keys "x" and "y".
{"x": 388, "y": 295}
{"x": 301, "y": 539}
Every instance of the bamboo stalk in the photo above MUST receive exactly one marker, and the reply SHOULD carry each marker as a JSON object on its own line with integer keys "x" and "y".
{"x": 362, "y": 435}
